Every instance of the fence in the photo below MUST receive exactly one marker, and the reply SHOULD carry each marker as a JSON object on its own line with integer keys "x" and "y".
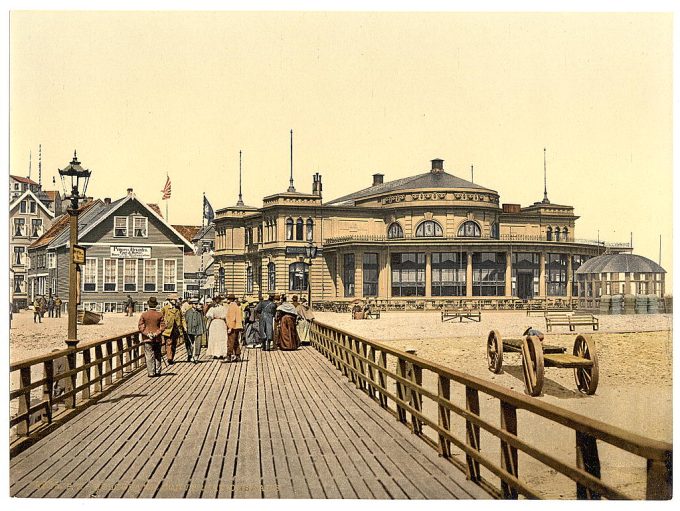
{"x": 85, "y": 373}
{"x": 369, "y": 365}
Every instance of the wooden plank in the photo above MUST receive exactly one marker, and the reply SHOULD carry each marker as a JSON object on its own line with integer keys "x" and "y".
{"x": 565, "y": 360}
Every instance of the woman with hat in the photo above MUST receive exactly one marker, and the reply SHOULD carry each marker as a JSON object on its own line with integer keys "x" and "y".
{"x": 287, "y": 315}
{"x": 217, "y": 329}
{"x": 151, "y": 325}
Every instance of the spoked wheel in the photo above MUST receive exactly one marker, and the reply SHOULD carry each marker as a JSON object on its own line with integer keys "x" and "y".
{"x": 494, "y": 352}
{"x": 586, "y": 378}
{"x": 532, "y": 365}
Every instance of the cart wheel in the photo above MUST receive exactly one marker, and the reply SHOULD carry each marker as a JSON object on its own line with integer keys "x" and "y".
{"x": 494, "y": 352}
{"x": 586, "y": 378}
{"x": 532, "y": 364}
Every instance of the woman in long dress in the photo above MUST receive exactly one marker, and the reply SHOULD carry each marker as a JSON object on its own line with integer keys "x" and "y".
{"x": 305, "y": 317}
{"x": 289, "y": 339}
{"x": 217, "y": 329}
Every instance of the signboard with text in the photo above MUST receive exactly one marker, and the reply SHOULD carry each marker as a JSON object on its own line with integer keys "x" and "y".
{"x": 121, "y": 252}
{"x": 78, "y": 254}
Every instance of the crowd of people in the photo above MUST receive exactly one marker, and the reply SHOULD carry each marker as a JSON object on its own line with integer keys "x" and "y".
{"x": 51, "y": 306}
{"x": 224, "y": 324}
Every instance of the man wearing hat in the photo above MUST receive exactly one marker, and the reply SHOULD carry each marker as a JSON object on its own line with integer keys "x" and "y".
{"x": 266, "y": 309}
{"x": 234, "y": 328}
{"x": 195, "y": 322}
{"x": 151, "y": 325}
{"x": 175, "y": 326}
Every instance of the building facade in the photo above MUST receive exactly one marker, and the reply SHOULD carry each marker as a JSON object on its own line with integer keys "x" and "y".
{"x": 429, "y": 236}
{"x": 131, "y": 250}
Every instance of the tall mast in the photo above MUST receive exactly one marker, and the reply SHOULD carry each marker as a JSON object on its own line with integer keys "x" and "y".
{"x": 30, "y": 157}
{"x": 40, "y": 165}
{"x": 240, "y": 197}
{"x": 472, "y": 172}
{"x": 291, "y": 187}
{"x": 545, "y": 181}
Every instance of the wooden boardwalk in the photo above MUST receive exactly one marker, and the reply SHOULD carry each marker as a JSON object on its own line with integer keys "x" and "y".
{"x": 276, "y": 425}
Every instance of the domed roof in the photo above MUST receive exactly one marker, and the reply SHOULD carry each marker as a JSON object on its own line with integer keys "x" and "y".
{"x": 619, "y": 263}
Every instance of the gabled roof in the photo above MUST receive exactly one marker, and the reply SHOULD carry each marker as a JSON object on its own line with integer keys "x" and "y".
{"x": 110, "y": 209}
{"x": 23, "y": 179}
{"x": 427, "y": 180}
{"x": 59, "y": 225}
{"x": 24, "y": 195}
{"x": 188, "y": 231}
{"x": 86, "y": 218}
{"x": 157, "y": 209}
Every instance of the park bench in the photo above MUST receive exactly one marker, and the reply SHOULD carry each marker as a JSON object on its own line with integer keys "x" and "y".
{"x": 451, "y": 314}
{"x": 571, "y": 320}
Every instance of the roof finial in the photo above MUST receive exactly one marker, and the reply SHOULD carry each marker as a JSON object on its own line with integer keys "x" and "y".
{"x": 545, "y": 181}
{"x": 240, "y": 197}
{"x": 291, "y": 187}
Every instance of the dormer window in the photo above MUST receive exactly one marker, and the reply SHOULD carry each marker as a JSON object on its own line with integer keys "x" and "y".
{"x": 470, "y": 229}
{"x": 429, "y": 229}
{"x": 140, "y": 227}
{"x": 395, "y": 231}
{"x": 120, "y": 227}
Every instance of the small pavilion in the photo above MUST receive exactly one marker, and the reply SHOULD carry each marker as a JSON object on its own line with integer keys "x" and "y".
{"x": 614, "y": 274}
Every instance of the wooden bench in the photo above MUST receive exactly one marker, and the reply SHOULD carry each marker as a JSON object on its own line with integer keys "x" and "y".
{"x": 451, "y": 314}
{"x": 571, "y": 320}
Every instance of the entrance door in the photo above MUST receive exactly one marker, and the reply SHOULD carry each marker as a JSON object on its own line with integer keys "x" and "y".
{"x": 525, "y": 285}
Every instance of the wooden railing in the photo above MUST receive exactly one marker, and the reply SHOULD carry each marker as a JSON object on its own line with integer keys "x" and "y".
{"x": 377, "y": 368}
{"x": 83, "y": 374}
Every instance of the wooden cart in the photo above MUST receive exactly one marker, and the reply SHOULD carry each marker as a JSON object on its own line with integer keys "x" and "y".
{"x": 536, "y": 356}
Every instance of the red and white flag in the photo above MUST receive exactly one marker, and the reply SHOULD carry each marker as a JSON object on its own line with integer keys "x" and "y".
{"x": 167, "y": 189}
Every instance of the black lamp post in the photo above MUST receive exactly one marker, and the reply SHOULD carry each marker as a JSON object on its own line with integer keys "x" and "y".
{"x": 74, "y": 178}
{"x": 310, "y": 251}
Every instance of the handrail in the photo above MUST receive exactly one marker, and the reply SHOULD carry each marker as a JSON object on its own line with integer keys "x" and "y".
{"x": 364, "y": 362}
{"x": 88, "y": 371}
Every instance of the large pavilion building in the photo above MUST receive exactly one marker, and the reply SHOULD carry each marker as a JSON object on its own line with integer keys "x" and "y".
{"x": 433, "y": 236}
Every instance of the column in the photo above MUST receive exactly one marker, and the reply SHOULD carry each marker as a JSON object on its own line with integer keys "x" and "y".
{"x": 508, "y": 274}
{"x": 569, "y": 275}
{"x": 541, "y": 276}
{"x": 340, "y": 288}
{"x": 359, "y": 274}
{"x": 428, "y": 275}
{"x": 662, "y": 277}
{"x": 388, "y": 275}
{"x": 468, "y": 275}
{"x": 626, "y": 284}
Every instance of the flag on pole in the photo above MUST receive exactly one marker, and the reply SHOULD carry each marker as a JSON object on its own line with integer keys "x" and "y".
{"x": 167, "y": 189}
{"x": 208, "y": 212}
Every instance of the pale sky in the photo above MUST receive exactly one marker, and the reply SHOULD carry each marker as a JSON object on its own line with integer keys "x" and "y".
{"x": 142, "y": 94}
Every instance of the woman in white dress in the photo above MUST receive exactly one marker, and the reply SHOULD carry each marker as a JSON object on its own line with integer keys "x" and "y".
{"x": 217, "y": 329}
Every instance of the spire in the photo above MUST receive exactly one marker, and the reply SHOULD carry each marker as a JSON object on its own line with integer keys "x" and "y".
{"x": 291, "y": 188}
{"x": 240, "y": 197}
{"x": 545, "y": 181}
{"x": 40, "y": 164}
{"x": 30, "y": 158}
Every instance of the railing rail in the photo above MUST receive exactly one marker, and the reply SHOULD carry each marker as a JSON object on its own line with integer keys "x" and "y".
{"x": 368, "y": 365}
{"x": 82, "y": 373}
{"x": 465, "y": 239}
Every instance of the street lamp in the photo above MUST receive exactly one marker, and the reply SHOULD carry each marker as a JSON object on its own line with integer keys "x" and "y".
{"x": 73, "y": 179}
{"x": 310, "y": 251}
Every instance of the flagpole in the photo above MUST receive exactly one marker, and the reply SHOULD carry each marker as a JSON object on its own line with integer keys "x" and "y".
{"x": 167, "y": 219}
{"x": 200, "y": 247}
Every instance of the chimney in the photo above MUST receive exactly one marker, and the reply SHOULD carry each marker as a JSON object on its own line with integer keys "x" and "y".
{"x": 437, "y": 166}
{"x": 378, "y": 179}
{"x": 129, "y": 191}
{"x": 316, "y": 185}
{"x": 107, "y": 200}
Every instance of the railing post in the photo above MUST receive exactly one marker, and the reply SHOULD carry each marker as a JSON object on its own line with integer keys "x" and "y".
{"x": 86, "y": 373}
{"x": 401, "y": 371}
{"x": 587, "y": 458}
{"x": 660, "y": 478}
{"x": 119, "y": 358}
{"x": 358, "y": 364}
{"x": 128, "y": 353}
{"x": 382, "y": 381}
{"x": 71, "y": 380}
{"x": 371, "y": 373}
{"x": 472, "y": 431}
{"x": 508, "y": 452}
{"x": 23, "y": 428}
{"x": 98, "y": 355}
{"x": 444, "y": 392}
{"x": 416, "y": 399}
{"x": 108, "y": 363}
{"x": 48, "y": 389}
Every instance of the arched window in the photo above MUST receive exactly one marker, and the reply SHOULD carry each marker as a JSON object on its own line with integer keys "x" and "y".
{"x": 289, "y": 228}
{"x": 249, "y": 279}
{"x": 565, "y": 234}
{"x": 495, "y": 234}
{"x": 220, "y": 280}
{"x": 310, "y": 229}
{"x": 470, "y": 229}
{"x": 298, "y": 276}
{"x": 395, "y": 231}
{"x": 299, "y": 227}
{"x": 429, "y": 229}
{"x": 548, "y": 234}
{"x": 557, "y": 234}
{"x": 271, "y": 276}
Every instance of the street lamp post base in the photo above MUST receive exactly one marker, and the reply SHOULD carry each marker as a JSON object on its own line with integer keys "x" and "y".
{"x": 72, "y": 344}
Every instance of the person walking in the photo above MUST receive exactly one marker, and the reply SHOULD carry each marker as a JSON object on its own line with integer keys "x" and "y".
{"x": 287, "y": 315}
{"x": 266, "y": 310}
{"x": 37, "y": 312}
{"x": 251, "y": 326}
{"x": 175, "y": 326}
{"x": 50, "y": 307}
{"x": 129, "y": 306}
{"x": 217, "y": 329}
{"x": 195, "y": 329}
{"x": 234, "y": 329}
{"x": 57, "y": 306}
{"x": 151, "y": 325}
